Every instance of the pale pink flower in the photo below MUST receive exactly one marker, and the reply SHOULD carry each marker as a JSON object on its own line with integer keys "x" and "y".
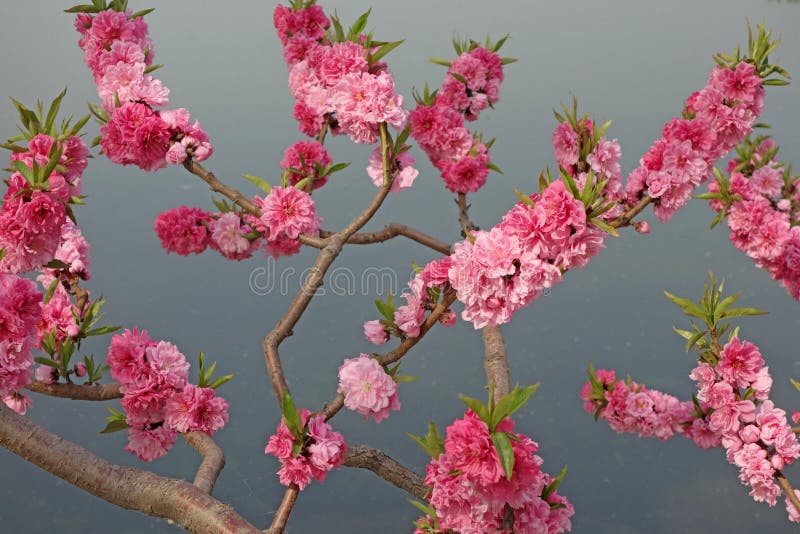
{"x": 375, "y": 332}
{"x": 367, "y": 388}
{"x": 287, "y": 212}
{"x": 404, "y": 174}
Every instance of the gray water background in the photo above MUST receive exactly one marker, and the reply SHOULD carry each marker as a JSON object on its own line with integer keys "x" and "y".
{"x": 631, "y": 61}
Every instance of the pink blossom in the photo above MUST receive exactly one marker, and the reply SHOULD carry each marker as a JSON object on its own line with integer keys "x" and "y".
{"x": 404, "y": 174}
{"x": 126, "y": 355}
{"x": 227, "y": 236}
{"x": 363, "y": 101}
{"x": 307, "y": 157}
{"x": 136, "y": 135}
{"x": 150, "y": 444}
{"x": 196, "y": 409}
{"x": 794, "y": 513}
{"x": 375, "y": 332}
{"x": 183, "y": 230}
{"x": 740, "y": 362}
{"x": 17, "y": 402}
{"x": 287, "y": 212}
{"x": 367, "y": 388}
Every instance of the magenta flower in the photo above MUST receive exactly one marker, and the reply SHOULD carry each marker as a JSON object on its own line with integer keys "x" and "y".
{"x": 287, "y": 212}
{"x": 183, "y": 230}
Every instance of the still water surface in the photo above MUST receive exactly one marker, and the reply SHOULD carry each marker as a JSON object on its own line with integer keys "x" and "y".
{"x": 631, "y": 61}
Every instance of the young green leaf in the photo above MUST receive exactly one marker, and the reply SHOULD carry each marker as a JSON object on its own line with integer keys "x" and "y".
{"x": 258, "y": 182}
{"x": 505, "y": 452}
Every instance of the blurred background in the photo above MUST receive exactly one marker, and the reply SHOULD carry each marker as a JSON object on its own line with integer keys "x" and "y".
{"x": 632, "y": 61}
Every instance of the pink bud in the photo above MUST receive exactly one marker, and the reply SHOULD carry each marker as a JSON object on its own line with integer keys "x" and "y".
{"x": 777, "y": 461}
{"x": 784, "y": 204}
{"x": 642, "y": 227}
{"x": 375, "y": 333}
{"x": 176, "y": 154}
{"x": 80, "y": 369}
{"x": 448, "y": 318}
{"x": 749, "y": 434}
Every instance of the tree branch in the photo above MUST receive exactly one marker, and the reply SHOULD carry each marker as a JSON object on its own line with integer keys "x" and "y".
{"x": 463, "y": 215}
{"x": 625, "y": 218}
{"x": 393, "y": 230}
{"x": 783, "y": 482}
{"x": 387, "y": 468}
{"x": 130, "y": 488}
{"x": 213, "y": 460}
{"x": 495, "y": 362}
{"x": 98, "y": 392}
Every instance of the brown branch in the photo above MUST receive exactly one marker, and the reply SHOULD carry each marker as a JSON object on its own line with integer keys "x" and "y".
{"x": 786, "y": 486}
{"x": 495, "y": 362}
{"x": 387, "y": 468}
{"x": 284, "y": 510}
{"x": 213, "y": 460}
{"x": 626, "y": 218}
{"x": 393, "y": 230}
{"x": 463, "y": 215}
{"x": 311, "y": 283}
{"x": 98, "y": 392}
{"x": 134, "y": 489}
{"x": 220, "y": 187}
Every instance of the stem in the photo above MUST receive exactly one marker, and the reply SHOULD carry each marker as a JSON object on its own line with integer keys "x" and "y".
{"x": 463, "y": 215}
{"x": 625, "y": 218}
{"x": 99, "y": 392}
{"x": 213, "y": 460}
{"x": 285, "y": 508}
{"x": 787, "y": 488}
{"x": 134, "y": 489}
{"x": 495, "y": 362}
{"x": 387, "y": 468}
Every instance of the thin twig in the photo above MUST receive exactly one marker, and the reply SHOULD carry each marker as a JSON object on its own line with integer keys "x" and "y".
{"x": 213, "y": 460}
{"x": 97, "y": 392}
{"x": 387, "y": 468}
{"x": 626, "y": 218}
{"x": 463, "y": 215}
{"x": 787, "y": 488}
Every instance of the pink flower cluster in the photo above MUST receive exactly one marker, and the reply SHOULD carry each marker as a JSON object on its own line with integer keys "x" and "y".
{"x": 601, "y": 159}
{"x": 367, "y": 387}
{"x": 629, "y": 407}
{"x": 502, "y": 270}
{"x": 470, "y": 491}
{"x": 59, "y": 316}
{"x": 334, "y": 83}
{"x": 756, "y": 435}
{"x": 462, "y": 160}
{"x": 480, "y": 71}
{"x": 158, "y": 400}
{"x": 733, "y": 410}
{"x": 308, "y": 157}
{"x": 20, "y": 308}
{"x": 33, "y": 222}
{"x": 323, "y": 449}
{"x": 715, "y": 119}
{"x": 118, "y": 51}
{"x": 286, "y": 212}
{"x": 191, "y": 230}
{"x": 763, "y": 220}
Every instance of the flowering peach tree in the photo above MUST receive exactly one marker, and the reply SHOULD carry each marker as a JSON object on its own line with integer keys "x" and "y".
{"x": 484, "y": 476}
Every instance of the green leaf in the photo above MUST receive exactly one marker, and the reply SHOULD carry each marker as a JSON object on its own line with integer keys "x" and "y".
{"x": 553, "y": 486}
{"x": 24, "y": 170}
{"x": 152, "y": 68}
{"x": 358, "y": 26}
{"x": 688, "y": 307}
{"x": 480, "y": 409}
{"x": 258, "y": 182}
{"x": 432, "y": 443}
{"x": 742, "y": 312}
{"x": 291, "y": 417}
{"x": 692, "y": 341}
{"x": 102, "y": 331}
{"x": 47, "y": 361}
{"x": 219, "y": 381}
{"x": 57, "y": 264}
{"x": 607, "y": 228}
{"x": 336, "y": 168}
{"x": 524, "y": 198}
{"x": 494, "y": 167}
{"x": 405, "y": 378}
{"x": 795, "y": 383}
{"x": 510, "y": 403}
{"x": 505, "y": 452}
{"x": 142, "y": 13}
{"x": 53, "y": 111}
{"x": 115, "y": 426}
{"x": 51, "y": 289}
{"x": 427, "y": 510}
{"x": 439, "y": 61}
{"x": 83, "y": 8}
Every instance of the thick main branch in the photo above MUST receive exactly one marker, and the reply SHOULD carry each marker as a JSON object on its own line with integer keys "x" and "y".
{"x": 387, "y": 468}
{"x": 98, "y": 392}
{"x": 134, "y": 489}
